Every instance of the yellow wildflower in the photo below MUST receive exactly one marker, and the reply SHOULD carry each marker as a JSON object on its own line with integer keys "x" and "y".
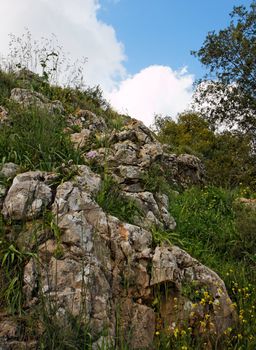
{"x": 176, "y": 332}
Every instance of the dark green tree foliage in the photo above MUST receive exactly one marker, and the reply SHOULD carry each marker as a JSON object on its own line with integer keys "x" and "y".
{"x": 227, "y": 156}
{"x": 230, "y": 56}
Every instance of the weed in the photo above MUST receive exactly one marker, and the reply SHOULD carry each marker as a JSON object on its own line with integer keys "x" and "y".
{"x": 12, "y": 265}
{"x": 161, "y": 236}
{"x": 112, "y": 201}
{"x": 45, "y": 57}
{"x": 36, "y": 140}
{"x": 155, "y": 179}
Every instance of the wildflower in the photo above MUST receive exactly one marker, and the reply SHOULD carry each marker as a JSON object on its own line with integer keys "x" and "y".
{"x": 184, "y": 347}
{"x": 176, "y": 332}
{"x": 203, "y": 301}
{"x": 206, "y": 294}
{"x": 239, "y": 336}
{"x": 91, "y": 154}
{"x": 157, "y": 333}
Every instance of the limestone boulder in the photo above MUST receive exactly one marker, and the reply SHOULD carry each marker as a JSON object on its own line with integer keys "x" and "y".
{"x": 87, "y": 179}
{"x": 190, "y": 170}
{"x": 27, "y": 97}
{"x": 174, "y": 268}
{"x": 154, "y": 208}
{"x": 89, "y": 120}
{"x": 124, "y": 153}
{"x": 85, "y": 119}
{"x": 28, "y": 195}
{"x": 80, "y": 139}
{"x": 135, "y": 131}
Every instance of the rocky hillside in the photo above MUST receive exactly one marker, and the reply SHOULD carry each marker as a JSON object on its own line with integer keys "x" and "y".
{"x": 88, "y": 244}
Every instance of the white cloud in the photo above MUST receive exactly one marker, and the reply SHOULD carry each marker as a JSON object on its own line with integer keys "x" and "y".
{"x": 154, "y": 90}
{"x": 77, "y": 28}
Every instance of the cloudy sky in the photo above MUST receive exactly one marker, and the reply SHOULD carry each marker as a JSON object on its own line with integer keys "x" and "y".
{"x": 138, "y": 51}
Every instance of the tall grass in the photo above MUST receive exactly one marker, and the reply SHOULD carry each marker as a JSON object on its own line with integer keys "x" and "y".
{"x": 36, "y": 139}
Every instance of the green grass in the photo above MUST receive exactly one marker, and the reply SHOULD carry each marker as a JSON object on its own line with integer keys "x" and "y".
{"x": 112, "y": 202}
{"x": 36, "y": 140}
{"x": 221, "y": 234}
{"x": 211, "y": 225}
{"x": 12, "y": 262}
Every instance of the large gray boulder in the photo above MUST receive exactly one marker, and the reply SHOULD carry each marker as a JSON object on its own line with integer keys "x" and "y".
{"x": 29, "y": 194}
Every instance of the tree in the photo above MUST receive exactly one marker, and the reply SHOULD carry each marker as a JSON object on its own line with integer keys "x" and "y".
{"x": 226, "y": 155}
{"x": 228, "y": 92}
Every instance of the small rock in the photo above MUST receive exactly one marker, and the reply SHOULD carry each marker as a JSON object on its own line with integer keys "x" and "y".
{"x": 9, "y": 170}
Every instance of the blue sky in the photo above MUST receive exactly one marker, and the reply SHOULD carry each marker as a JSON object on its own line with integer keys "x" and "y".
{"x": 138, "y": 51}
{"x": 165, "y": 31}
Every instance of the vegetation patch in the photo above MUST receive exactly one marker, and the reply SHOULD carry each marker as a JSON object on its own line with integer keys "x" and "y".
{"x": 113, "y": 202}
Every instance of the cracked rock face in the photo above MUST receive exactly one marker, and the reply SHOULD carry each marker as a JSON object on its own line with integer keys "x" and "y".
{"x": 91, "y": 264}
{"x": 133, "y": 151}
{"x": 27, "y": 197}
{"x": 109, "y": 271}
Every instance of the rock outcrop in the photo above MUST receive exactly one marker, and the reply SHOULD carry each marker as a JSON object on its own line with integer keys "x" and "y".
{"x": 26, "y": 97}
{"x": 94, "y": 265}
{"x": 89, "y": 264}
